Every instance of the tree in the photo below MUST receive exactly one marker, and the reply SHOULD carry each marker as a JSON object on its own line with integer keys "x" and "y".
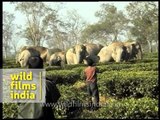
{"x": 8, "y": 28}
{"x": 66, "y": 32}
{"x": 74, "y": 24}
{"x": 144, "y": 18}
{"x": 35, "y": 31}
{"x": 15, "y": 39}
{"x": 56, "y": 36}
{"x": 111, "y": 24}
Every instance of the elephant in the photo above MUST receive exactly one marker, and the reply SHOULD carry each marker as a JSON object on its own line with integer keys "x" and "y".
{"x": 92, "y": 51}
{"x": 76, "y": 54}
{"x": 58, "y": 58}
{"x": 18, "y": 53}
{"x": 134, "y": 50}
{"x": 51, "y": 52}
{"x": 45, "y": 53}
{"x": 115, "y": 51}
{"x": 94, "y": 58}
{"x": 42, "y": 50}
{"x": 25, "y": 55}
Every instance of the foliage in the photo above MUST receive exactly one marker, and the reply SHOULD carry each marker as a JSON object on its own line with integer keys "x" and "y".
{"x": 38, "y": 16}
{"x": 144, "y": 108}
{"x": 8, "y": 31}
{"x": 151, "y": 55}
{"x": 10, "y": 110}
{"x": 74, "y": 24}
{"x": 129, "y": 84}
{"x": 63, "y": 76}
{"x": 144, "y": 20}
{"x": 111, "y": 24}
{"x": 130, "y": 89}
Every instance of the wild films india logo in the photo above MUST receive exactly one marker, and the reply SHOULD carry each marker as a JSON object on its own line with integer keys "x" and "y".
{"x": 23, "y": 85}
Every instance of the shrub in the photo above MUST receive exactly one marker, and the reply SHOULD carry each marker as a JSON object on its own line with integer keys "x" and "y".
{"x": 124, "y": 81}
{"x": 63, "y": 76}
{"x": 150, "y": 55}
{"x": 129, "y": 84}
{"x": 10, "y": 110}
{"x": 144, "y": 108}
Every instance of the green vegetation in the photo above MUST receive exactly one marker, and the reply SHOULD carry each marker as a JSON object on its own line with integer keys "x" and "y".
{"x": 144, "y": 108}
{"x": 127, "y": 90}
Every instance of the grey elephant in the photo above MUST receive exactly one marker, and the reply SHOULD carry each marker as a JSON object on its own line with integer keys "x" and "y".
{"x": 134, "y": 50}
{"x": 58, "y": 59}
{"x": 115, "y": 51}
{"x": 76, "y": 54}
{"x": 51, "y": 52}
{"x": 45, "y": 53}
{"x": 25, "y": 55}
{"x": 42, "y": 50}
{"x": 92, "y": 52}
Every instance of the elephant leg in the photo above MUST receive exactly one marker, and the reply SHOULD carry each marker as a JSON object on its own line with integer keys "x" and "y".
{"x": 75, "y": 61}
{"x": 85, "y": 61}
{"x": 63, "y": 64}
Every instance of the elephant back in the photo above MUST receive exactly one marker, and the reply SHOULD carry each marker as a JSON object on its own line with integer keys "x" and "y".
{"x": 26, "y": 54}
{"x": 114, "y": 46}
{"x": 134, "y": 49}
{"x": 33, "y": 52}
{"x": 93, "y": 49}
{"x": 52, "y": 51}
{"x": 42, "y": 51}
{"x": 61, "y": 55}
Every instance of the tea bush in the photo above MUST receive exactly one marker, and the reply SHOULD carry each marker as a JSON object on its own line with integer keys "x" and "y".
{"x": 128, "y": 108}
{"x": 10, "y": 110}
{"x": 129, "y": 84}
{"x": 131, "y": 89}
{"x": 63, "y": 76}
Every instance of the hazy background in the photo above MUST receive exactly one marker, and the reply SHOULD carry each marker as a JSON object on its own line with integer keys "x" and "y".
{"x": 69, "y": 23}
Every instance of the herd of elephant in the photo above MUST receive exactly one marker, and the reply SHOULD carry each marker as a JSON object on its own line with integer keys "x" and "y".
{"x": 80, "y": 53}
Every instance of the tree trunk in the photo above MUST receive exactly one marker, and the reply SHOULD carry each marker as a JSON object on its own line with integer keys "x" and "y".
{"x": 150, "y": 46}
{"x": 14, "y": 47}
{"x": 115, "y": 37}
{"x": 157, "y": 46}
{"x": 5, "y": 52}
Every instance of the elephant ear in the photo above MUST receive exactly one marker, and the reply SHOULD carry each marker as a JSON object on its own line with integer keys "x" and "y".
{"x": 114, "y": 50}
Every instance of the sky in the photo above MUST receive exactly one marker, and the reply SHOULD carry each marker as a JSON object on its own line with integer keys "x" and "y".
{"x": 85, "y": 9}
{"x": 88, "y": 9}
